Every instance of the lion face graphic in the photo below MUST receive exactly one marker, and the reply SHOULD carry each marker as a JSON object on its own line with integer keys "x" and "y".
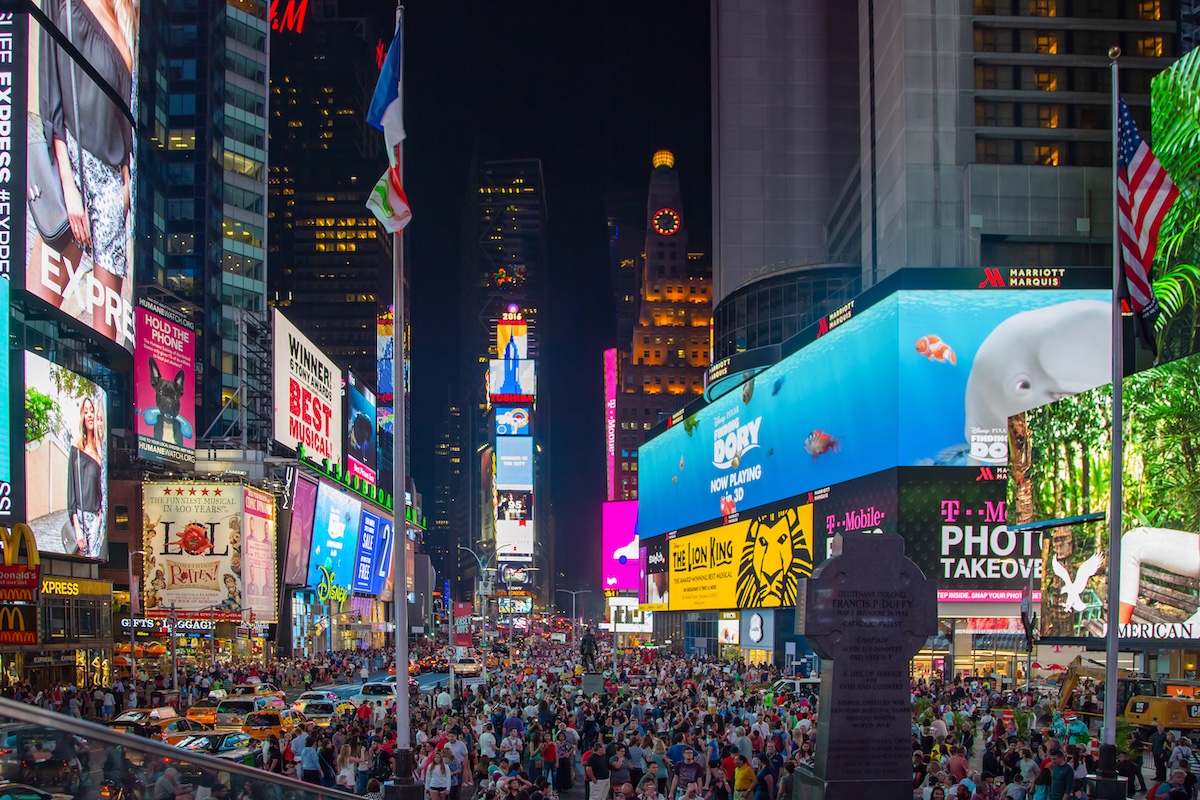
{"x": 776, "y": 553}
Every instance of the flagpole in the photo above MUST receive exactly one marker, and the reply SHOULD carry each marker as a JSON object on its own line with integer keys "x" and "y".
{"x": 1108, "y": 755}
{"x": 404, "y": 762}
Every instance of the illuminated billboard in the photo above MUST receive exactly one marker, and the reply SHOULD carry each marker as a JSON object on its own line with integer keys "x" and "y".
{"x": 7, "y": 387}
{"x": 512, "y": 336}
{"x": 512, "y": 381}
{"x": 336, "y": 521}
{"x": 192, "y": 534}
{"x": 79, "y": 150}
{"x": 752, "y": 563}
{"x": 619, "y": 552}
{"x": 66, "y": 460}
{"x": 512, "y": 420}
{"x": 514, "y": 504}
{"x": 515, "y": 605}
{"x": 610, "y": 420}
{"x": 385, "y": 346}
{"x": 164, "y": 385}
{"x": 514, "y": 540}
{"x": 917, "y": 378}
{"x": 308, "y": 403}
{"x": 362, "y": 456}
{"x": 258, "y": 556}
{"x": 1064, "y": 472}
{"x": 299, "y": 541}
{"x": 514, "y": 463}
{"x": 374, "y": 559}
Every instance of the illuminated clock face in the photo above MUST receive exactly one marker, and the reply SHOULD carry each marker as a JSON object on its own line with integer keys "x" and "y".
{"x": 666, "y": 221}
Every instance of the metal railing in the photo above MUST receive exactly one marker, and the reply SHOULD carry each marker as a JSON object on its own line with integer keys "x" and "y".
{"x": 59, "y": 753}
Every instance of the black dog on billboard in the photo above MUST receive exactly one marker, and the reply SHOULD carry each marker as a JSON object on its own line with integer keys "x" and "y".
{"x": 164, "y": 416}
{"x": 362, "y": 439}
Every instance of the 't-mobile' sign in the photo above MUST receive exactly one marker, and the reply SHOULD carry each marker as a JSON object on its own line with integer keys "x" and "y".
{"x": 308, "y": 404}
{"x": 610, "y": 419}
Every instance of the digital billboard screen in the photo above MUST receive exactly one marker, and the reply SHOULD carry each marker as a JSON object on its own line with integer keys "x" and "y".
{"x": 514, "y": 540}
{"x": 512, "y": 420}
{"x": 336, "y": 525}
{"x": 512, "y": 337}
{"x": 193, "y": 548}
{"x": 80, "y": 152}
{"x": 752, "y": 563}
{"x": 514, "y": 504}
{"x": 258, "y": 556}
{"x": 1160, "y": 568}
{"x": 308, "y": 403}
{"x": 512, "y": 381}
{"x": 654, "y": 587}
{"x": 361, "y": 445}
{"x": 619, "y": 554}
{"x": 515, "y": 605}
{"x": 514, "y": 463}
{"x": 66, "y": 460}
{"x": 164, "y": 384}
{"x": 385, "y": 345}
{"x": 373, "y": 565}
{"x": 919, "y": 378}
{"x": 7, "y": 387}
{"x": 299, "y": 543}
{"x": 610, "y": 420}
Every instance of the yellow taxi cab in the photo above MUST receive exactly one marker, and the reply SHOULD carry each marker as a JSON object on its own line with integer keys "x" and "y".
{"x": 255, "y": 690}
{"x": 204, "y": 711}
{"x": 154, "y": 723}
{"x": 273, "y": 721}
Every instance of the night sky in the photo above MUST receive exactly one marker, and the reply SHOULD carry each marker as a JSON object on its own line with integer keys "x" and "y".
{"x": 592, "y": 89}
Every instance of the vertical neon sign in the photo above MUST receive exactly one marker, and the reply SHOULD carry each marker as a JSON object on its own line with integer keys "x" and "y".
{"x": 610, "y": 418}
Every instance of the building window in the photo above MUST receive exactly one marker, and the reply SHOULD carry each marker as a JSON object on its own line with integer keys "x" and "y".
{"x": 181, "y": 139}
{"x": 1046, "y": 80}
{"x": 1047, "y": 116}
{"x": 1045, "y": 155}
{"x": 985, "y": 77}
{"x": 1043, "y": 8}
{"x": 985, "y": 7}
{"x": 985, "y": 41}
{"x": 1149, "y": 46}
{"x": 1150, "y": 9}
{"x": 1046, "y": 43}
{"x": 987, "y": 151}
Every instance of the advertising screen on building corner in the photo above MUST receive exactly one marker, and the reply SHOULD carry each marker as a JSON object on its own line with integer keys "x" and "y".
{"x": 7, "y": 387}
{"x": 918, "y": 378}
{"x": 164, "y": 382}
{"x": 362, "y": 451}
{"x": 307, "y": 396}
{"x": 336, "y": 521}
{"x": 74, "y": 134}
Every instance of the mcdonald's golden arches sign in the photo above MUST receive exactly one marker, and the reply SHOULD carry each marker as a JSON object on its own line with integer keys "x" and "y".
{"x": 18, "y": 624}
{"x": 19, "y": 582}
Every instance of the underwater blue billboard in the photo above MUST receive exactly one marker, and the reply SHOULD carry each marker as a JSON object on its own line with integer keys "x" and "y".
{"x": 919, "y": 378}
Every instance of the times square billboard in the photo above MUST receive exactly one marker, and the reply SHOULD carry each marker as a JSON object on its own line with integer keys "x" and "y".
{"x": 922, "y": 370}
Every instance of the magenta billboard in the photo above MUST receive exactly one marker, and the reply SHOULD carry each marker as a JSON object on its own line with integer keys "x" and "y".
{"x": 620, "y": 558}
{"x": 164, "y": 381}
{"x": 610, "y": 418}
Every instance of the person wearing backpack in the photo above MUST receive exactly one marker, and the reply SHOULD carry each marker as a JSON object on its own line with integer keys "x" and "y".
{"x": 1181, "y": 756}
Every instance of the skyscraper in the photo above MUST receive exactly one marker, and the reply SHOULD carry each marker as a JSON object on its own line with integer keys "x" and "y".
{"x": 661, "y": 367}
{"x": 203, "y": 182}
{"x": 324, "y": 159}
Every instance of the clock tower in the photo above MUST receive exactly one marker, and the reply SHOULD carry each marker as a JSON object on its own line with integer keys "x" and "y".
{"x": 663, "y": 369}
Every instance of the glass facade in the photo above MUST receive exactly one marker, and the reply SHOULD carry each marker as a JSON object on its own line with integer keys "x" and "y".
{"x": 776, "y": 307}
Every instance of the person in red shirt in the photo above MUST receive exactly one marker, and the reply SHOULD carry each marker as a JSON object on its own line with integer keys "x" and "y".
{"x": 728, "y": 764}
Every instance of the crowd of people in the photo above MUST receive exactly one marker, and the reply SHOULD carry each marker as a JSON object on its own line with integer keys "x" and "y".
{"x": 663, "y": 728}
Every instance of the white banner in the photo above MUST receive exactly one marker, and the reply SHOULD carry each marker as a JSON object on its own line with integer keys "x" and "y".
{"x": 308, "y": 394}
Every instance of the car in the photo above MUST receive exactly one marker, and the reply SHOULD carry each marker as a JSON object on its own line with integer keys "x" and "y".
{"x": 204, "y": 711}
{"x": 23, "y": 791}
{"x": 38, "y": 756}
{"x": 329, "y": 697}
{"x": 272, "y": 721}
{"x": 467, "y": 667}
{"x": 373, "y": 692}
{"x": 258, "y": 689}
{"x": 232, "y": 712}
{"x": 413, "y": 685}
{"x": 229, "y": 745}
{"x": 325, "y": 712}
{"x": 155, "y": 723}
{"x": 796, "y": 686}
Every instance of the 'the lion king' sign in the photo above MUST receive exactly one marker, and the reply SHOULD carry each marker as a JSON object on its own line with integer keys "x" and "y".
{"x": 752, "y": 563}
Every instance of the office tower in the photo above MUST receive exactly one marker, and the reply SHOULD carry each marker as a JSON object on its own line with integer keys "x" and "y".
{"x": 334, "y": 269}
{"x": 504, "y": 264}
{"x": 446, "y": 524}
{"x": 661, "y": 367}
{"x": 785, "y": 127}
{"x": 626, "y": 215}
{"x": 203, "y": 182}
{"x": 985, "y": 128}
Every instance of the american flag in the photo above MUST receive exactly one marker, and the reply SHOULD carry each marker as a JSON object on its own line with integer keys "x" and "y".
{"x": 1145, "y": 193}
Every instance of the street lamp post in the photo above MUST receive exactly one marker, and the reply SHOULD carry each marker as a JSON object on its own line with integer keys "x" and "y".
{"x": 133, "y": 592}
{"x": 483, "y": 568}
{"x": 574, "y": 593}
